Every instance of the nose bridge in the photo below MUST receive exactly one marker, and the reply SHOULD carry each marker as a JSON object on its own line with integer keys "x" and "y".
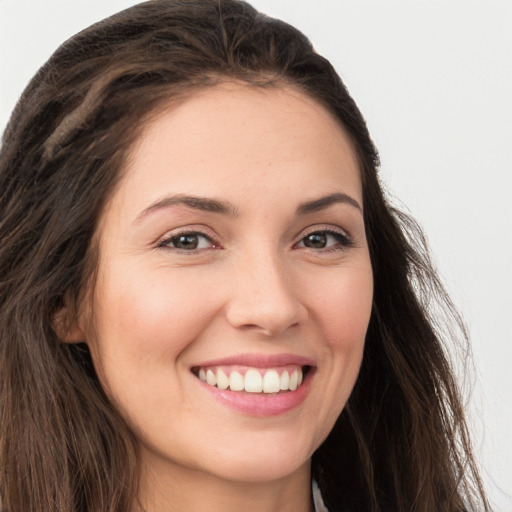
{"x": 263, "y": 295}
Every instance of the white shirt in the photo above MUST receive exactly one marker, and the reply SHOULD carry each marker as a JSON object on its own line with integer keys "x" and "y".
{"x": 318, "y": 502}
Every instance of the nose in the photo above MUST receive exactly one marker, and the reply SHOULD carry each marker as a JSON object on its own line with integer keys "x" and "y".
{"x": 264, "y": 296}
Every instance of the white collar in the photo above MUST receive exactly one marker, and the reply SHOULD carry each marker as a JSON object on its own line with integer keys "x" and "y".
{"x": 318, "y": 501}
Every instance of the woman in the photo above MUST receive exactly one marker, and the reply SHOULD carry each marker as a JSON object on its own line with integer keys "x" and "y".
{"x": 206, "y": 301}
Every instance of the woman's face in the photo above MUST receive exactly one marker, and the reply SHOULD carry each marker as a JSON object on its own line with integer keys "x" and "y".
{"x": 233, "y": 264}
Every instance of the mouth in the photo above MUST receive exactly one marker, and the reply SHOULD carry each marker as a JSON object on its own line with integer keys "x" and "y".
{"x": 252, "y": 379}
{"x": 258, "y": 385}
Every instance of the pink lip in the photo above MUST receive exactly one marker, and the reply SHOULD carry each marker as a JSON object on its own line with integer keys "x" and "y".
{"x": 259, "y": 361}
{"x": 261, "y": 404}
{"x": 256, "y": 404}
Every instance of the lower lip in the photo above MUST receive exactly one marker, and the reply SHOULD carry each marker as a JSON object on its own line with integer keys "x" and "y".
{"x": 262, "y": 404}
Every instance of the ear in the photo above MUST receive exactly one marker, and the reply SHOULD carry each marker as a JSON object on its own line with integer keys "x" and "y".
{"x": 67, "y": 325}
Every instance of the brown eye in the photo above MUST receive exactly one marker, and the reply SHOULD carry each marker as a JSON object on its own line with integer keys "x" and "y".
{"x": 185, "y": 241}
{"x": 189, "y": 242}
{"x": 315, "y": 240}
{"x": 325, "y": 240}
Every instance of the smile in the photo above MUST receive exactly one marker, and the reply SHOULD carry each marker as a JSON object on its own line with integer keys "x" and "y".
{"x": 252, "y": 379}
{"x": 257, "y": 384}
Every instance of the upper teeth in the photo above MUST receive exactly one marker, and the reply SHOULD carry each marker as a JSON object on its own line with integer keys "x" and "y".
{"x": 254, "y": 380}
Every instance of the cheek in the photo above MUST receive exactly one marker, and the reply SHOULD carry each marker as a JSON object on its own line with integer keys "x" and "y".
{"x": 147, "y": 316}
{"x": 343, "y": 307}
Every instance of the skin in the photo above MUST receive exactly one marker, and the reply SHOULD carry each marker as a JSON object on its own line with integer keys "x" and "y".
{"x": 253, "y": 285}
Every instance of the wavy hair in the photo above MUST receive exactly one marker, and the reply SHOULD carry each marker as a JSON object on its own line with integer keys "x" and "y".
{"x": 401, "y": 443}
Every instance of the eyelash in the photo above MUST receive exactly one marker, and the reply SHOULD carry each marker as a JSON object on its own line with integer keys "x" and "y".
{"x": 166, "y": 242}
{"x": 343, "y": 241}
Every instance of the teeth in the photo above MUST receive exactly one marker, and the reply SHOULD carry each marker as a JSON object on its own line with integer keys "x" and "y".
{"x": 236, "y": 381}
{"x": 253, "y": 381}
{"x": 271, "y": 382}
{"x": 293, "y": 380}
{"x": 285, "y": 380}
{"x": 222, "y": 380}
{"x": 211, "y": 378}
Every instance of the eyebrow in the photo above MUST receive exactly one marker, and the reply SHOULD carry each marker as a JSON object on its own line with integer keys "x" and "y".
{"x": 198, "y": 203}
{"x": 227, "y": 208}
{"x": 326, "y": 201}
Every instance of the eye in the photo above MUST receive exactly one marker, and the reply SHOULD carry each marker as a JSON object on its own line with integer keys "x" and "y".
{"x": 325, "y": 239}
{"x": 189, "y": 241}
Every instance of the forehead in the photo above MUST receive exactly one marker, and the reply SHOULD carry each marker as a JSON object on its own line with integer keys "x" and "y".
{"x": 238, "y": 139}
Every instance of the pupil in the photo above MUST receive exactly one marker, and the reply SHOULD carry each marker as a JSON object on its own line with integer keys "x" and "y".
{"x": 186, "y": 242}
{"x": 316, "y": 241}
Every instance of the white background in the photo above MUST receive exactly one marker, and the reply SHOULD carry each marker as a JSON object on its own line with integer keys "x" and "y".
{"x": 434, "y": 81}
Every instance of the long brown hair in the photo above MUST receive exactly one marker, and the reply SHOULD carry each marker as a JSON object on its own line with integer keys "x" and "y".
{"x": 401, "y": 443}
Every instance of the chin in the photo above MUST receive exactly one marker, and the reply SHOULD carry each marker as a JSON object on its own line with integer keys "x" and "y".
{"x": 259, "y": 470}
{"x": 261, "y": 460}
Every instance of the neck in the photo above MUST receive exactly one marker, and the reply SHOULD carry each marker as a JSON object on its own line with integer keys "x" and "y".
{"x": 177, "y": 489}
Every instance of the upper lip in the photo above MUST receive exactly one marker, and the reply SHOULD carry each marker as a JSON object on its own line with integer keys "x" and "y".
{"x": 259, "y": 360}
